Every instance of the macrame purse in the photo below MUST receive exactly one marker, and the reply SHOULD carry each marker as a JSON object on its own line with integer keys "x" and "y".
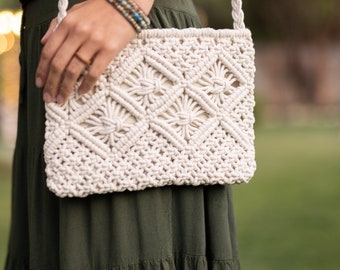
{"x": 174, "y": 108}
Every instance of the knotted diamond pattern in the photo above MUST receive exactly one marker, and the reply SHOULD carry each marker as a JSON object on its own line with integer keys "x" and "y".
{"x": 161, "y": 114}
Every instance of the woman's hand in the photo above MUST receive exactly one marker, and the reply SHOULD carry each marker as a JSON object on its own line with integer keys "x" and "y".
{"x": 92, "y": 32}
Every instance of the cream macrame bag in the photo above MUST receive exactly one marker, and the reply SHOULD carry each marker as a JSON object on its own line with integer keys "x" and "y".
{"x": 174, "y": 108}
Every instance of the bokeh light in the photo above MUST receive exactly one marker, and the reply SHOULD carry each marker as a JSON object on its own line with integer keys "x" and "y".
{"x": 10, "y": 23}
{"x": 3, "y": 43}
{"x": 16, "y": 22}
{"x": 5, "y": 21}
{"x": 7, "y": 42}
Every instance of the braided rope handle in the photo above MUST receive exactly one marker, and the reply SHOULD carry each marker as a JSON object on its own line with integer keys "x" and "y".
{"x": 62, "y": 7}
{"x": 237, "y": 13}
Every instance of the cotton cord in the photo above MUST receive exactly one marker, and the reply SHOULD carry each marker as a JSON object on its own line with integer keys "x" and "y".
{"x": 62, "y": 7}
{"x": 175, "y": 107}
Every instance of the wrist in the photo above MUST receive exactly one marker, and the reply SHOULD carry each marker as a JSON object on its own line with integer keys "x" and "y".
{"x": 133, "y": 12}
{"x": 145, "y": 5}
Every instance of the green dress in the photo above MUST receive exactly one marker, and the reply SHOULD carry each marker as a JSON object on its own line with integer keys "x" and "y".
{"x": 173, "y": 227}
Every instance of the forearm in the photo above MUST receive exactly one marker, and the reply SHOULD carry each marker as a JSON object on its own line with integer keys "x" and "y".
{"x": 145, "y": 5}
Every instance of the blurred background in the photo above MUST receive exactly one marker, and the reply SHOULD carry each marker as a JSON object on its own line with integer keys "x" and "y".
{"x": 287, "y": 216}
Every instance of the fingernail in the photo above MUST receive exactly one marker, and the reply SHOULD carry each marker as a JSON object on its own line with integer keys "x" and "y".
{"x": 47, "y": 98}
{"x": 60, "y": 99}
{"x": 39, "y": 82}
{"x": 43, "y": 40}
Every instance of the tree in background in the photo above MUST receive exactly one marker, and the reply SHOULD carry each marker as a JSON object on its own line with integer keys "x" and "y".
{"x": 295, "y": 24}
{"x": 9, "y": 4}
{"x": 298, "y": 20}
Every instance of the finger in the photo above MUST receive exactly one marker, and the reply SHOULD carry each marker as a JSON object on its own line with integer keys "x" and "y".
{"x": 73, "y": 71}
{"x": 100, "y": 62}
{"x": 47, "y": 54}
{"x": 49, "y": 31}
{"x": 81, "y": 59}
{"x": 63, "y": 71}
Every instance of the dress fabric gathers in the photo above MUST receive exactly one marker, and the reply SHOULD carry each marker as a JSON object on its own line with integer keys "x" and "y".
{"x": 174, "y": 227}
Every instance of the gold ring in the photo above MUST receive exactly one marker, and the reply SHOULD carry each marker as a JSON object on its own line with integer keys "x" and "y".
{"x": 81, "y": 59}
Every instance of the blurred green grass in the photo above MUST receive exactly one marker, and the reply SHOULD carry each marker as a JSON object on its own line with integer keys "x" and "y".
{"x": 287, "y": 216}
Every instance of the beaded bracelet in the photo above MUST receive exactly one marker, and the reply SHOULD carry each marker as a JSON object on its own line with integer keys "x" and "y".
{"x": 132, "y": 13}
{"x": 128, "y": 17}
{"x": 137, "y": 12}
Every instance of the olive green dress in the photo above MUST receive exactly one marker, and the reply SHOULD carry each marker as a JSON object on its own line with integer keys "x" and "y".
{"x": 166, "y": 228}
